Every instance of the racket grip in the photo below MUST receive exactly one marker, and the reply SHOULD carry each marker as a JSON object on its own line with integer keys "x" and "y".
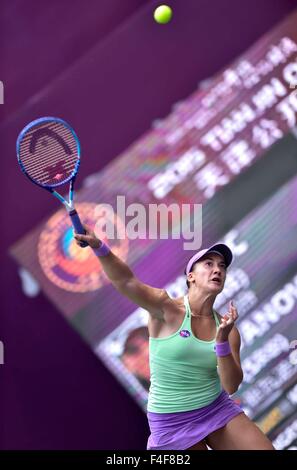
{"x": 78, "y": 226}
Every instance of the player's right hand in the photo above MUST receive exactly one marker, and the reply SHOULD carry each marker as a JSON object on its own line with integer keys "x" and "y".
{"x": 89, "y": 237}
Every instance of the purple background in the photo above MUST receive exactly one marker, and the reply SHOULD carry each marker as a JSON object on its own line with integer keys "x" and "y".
{"x": 105, "y": 65}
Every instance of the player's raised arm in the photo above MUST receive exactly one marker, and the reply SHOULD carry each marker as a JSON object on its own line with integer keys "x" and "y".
{"x": 123, "y": 279}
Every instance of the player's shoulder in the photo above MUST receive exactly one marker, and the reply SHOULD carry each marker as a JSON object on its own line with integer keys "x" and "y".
{"x": 173, "y": 308}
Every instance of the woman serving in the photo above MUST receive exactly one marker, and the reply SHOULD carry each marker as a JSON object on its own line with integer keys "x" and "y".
{"x": 194, "y": 356}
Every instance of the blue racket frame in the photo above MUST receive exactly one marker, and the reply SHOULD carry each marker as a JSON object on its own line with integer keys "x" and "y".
{"x": 78, "y": 227}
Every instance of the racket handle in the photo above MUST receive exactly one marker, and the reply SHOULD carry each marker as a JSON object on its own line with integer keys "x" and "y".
{"x": 78, "y": 226}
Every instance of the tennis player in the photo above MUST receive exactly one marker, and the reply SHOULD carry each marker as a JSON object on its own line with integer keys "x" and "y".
{"x": 194, "y": 356}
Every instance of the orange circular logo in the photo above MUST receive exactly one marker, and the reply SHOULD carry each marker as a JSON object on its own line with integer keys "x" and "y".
{"x": 67, "y": 265}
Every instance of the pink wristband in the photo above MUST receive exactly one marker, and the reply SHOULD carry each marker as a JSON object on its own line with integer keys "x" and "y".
{"x": 222, "y": 349}
{"x": 103, "y": 250}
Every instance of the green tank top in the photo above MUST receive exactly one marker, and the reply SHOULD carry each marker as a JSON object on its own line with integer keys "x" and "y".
{"x": 183, "y": 370}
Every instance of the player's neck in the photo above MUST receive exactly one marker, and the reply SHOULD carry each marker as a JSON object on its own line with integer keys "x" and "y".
{"x": 201, "y": 304}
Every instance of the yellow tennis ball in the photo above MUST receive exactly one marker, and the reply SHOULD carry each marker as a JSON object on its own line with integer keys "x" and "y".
{"x": 163, "y": 14}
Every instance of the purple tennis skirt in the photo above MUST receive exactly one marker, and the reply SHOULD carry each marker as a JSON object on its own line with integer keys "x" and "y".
{"x": 179, "y": 431}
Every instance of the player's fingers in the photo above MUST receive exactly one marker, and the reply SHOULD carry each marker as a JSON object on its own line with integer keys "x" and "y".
{"x": 80, "y": 237}
{"x": 223, "y": 324}
{"x": 79, "y": 243}
{"x": 234, "y": 311}
{"x": 228, "y": 317}
{"x": 232, "y": 306}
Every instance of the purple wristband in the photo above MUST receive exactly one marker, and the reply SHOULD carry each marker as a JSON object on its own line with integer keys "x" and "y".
{"x": 222, "y": 349}
{"x": 103, "y": 250}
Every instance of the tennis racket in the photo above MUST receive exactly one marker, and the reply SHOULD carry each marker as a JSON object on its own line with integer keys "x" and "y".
{"x": 48, "y": 152}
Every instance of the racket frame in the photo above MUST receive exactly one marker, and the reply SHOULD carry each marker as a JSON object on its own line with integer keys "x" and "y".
{"x": 70, "y": 203}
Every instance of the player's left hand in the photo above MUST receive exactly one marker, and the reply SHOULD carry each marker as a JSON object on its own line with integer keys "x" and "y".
{"x": 227, "y": 324}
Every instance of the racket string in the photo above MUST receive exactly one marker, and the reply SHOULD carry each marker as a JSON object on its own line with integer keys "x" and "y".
{"x": 49, "y": 153}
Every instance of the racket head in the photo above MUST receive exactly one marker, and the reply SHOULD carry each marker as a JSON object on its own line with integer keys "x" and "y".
{"x": 48, "y": 152}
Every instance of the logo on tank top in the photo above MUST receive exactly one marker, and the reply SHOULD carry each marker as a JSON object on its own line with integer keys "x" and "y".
{"x": 185, "y": 333}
